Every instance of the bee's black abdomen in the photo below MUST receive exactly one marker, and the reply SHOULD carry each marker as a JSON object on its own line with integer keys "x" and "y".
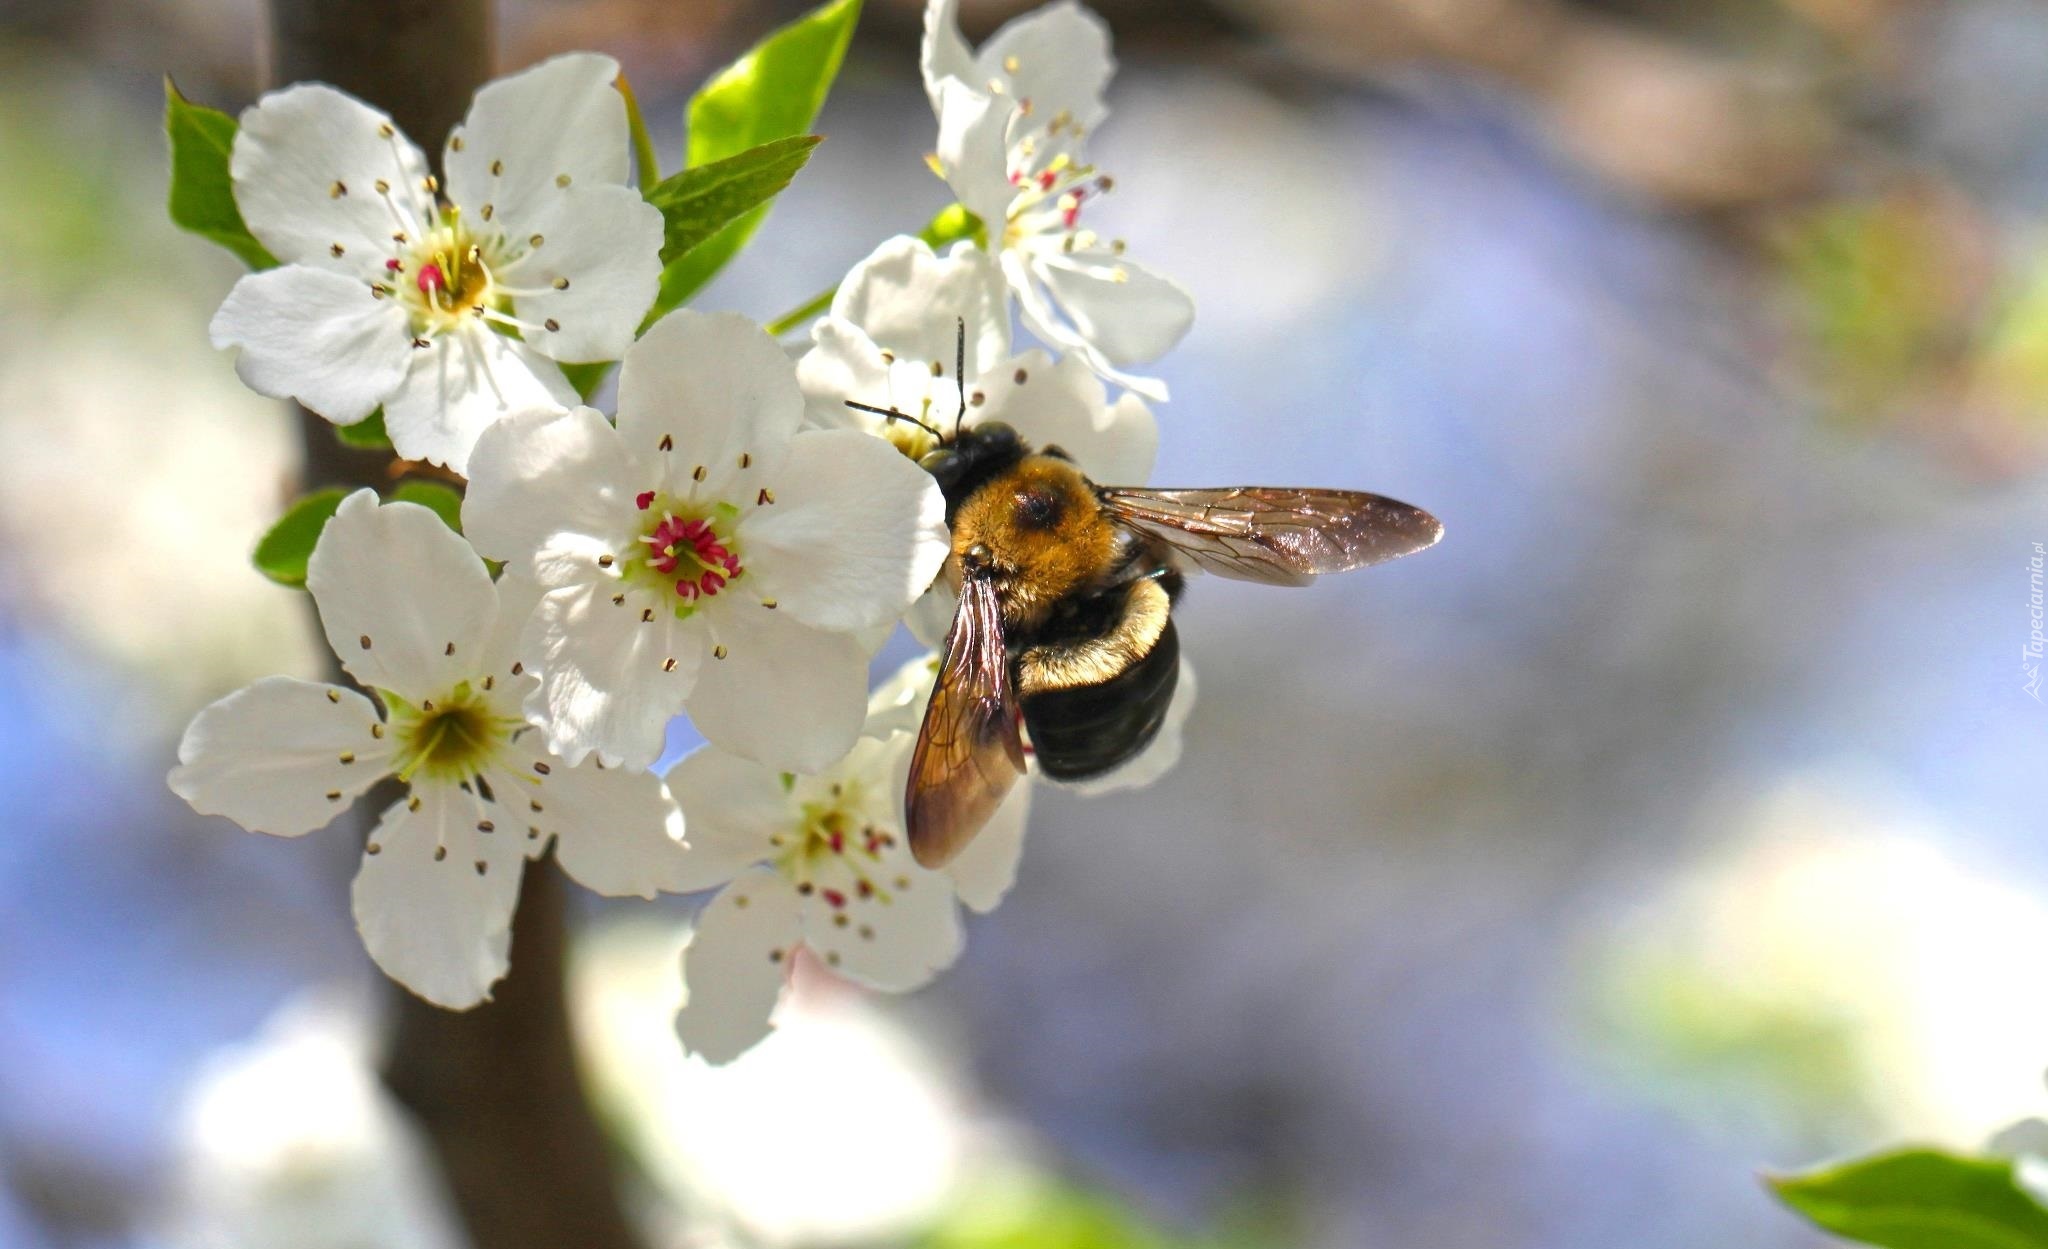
{"x": 1087, "y": 730}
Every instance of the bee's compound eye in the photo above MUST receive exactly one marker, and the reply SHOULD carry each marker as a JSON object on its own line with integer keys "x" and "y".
{"x": 996, "y": 431}
{"x": 938, "y": 460}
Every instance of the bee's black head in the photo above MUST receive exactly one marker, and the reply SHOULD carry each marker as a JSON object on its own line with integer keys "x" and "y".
{"x": 971, "y": 458}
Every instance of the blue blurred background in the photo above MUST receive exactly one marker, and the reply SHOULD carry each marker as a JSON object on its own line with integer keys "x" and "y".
{"x": 1680, "y": 817}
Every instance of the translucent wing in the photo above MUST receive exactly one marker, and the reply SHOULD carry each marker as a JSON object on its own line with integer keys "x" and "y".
{"x": 1275, "y": 535}
{"x": 968, "y": 750}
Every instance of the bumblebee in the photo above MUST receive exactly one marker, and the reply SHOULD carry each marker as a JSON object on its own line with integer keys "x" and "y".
{"x": 1065, "y": 630}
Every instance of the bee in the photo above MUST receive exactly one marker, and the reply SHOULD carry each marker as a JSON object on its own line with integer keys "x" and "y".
{"x": 1065, "y": 628}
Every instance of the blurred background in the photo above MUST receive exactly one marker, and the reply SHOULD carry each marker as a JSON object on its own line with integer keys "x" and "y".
{"x": 1679, "y": 818}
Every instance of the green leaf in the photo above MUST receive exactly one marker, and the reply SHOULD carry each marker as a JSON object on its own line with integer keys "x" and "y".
{"x": 367, "y": 434}
{"x": 282, "y": 553}
{"x": 586, "y": 378}
{"x": 773, "y": 92}
{"x": 1919, "y": 1199}
{"x": 699, "y": 202}
{"x": 442, "y": 499}
{"x": 202, "y": 196}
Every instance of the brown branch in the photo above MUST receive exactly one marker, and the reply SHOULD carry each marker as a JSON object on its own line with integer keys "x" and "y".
{"x": 496, "y": 1089}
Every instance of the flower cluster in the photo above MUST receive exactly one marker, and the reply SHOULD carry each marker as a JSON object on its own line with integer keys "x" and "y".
{"x": 732, "y": 542}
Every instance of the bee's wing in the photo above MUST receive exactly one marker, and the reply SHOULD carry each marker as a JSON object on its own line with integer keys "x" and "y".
{"x": 1275, "y": 535}
{"x": 968, "y": 750}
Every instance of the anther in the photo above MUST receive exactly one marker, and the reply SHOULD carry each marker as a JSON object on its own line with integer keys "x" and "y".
{"x": 385, "y": 131}
{"x": 497, "y": 168}
{"x": 604, "y": 561}
{"x": 668, "y": 443}
{"x": 413, "y": 803}
{"x": 455, "y": 144}
{"x": 482, "y": 867}
{"x": 334, "y": 696}
{"x": 647, "y": 615}
{"x": 668, "y": 665}
{"x": 383, "y": 187}
{"x": 489, "y": 211}
{"x": 768, "y": 603}
{"x": 618, "y": 600}
{"x": 718, "y": 652}
{"x": 541, "y": 766}
{"x": 1020, "y": 377}
{"x": 365, "y": 640}
{"x": 449, "y": 649}
{"x": 938, "y": 370}
{"x": 535, "y": 241}
{"x": 489, "y": 681}
{"x": 518, "y": 668}
{"x": 338, "y": 190}
{"x": 552, "y": 324}
{"x": 377, "y": 731}
{"x": 336, "y": 251}
{"x": 440, "y": 853}
{"x": 745, "y": 459}
{"x": 485, "y": 826}
{"x": 430, "y": 184}
{"x": 698, "y": 473}
{"x": 334, "y": 795}
{"x": 766, "y": 496}
{"x": 645, "y": 499}
{"x": 562, "y": 180}
{"x": 561, "y": 284}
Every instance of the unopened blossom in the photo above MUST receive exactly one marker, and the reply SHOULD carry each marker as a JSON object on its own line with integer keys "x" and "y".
{"x": 445, "y": 300}
{"x": 1014, "y": 118}
{"x": 818, "y": 862}
{"x": 706, "y": 554}
{"x": 414, "y": 616}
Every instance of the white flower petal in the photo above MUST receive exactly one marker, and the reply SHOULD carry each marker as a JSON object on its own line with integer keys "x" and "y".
{"x": 843, "y": 363}
{"x": 1035, "y": 306}
{"x": 500, "y": 657}
{"x": 1158, "y": 757}
{"x": 612, "y": 674}
{"x": 1057, "y": 57}
{"x": 538, "y": 476}
{"x": 855, "y": 534}
{"x": 271, "y": 756}
{"x": 908, "y": 301}
{"x": 617, "y": 831}
{"x": 306, "y": 166}
{"x": 715, "y": 387}
{"x": 736, "y": 965}
{"x": 406, "y": 603}
{"x": 895, "y": 939}
{"x": 985, "y": 870}
{"x": 943, "y": 53}
{"x": 461, "y": 382}
{"x": 317, "y": 337}
{"x": 973, "y": 150}
{"x": 527, "y": 133}
{"x": 897, "y": 704}
{"x": 1062, "y": 404}
{"x": 731, "y": 806}
{"x": 1130, "y": 319}
{"x": 434, "y": 902}
{"x": 785, "y": 694}
{"x": 596, "y": 275}
{"x": 930, "y": 618}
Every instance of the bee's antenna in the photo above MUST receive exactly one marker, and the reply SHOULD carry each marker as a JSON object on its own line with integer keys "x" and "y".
{"x": 960, "y": 373}
{"x": 896, "y": 415}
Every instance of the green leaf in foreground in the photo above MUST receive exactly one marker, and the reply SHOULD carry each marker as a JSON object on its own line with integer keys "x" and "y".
{"x": 202, "y": 197}
{"x": 773, "y": 92}
{"x": 367, "y": 434}
{"x": 1919, "y": 1199}
{"x": 586, "y": 378}
{"x": 282, "y": 553}
{"x": 697, "y": 203}
{"x": 437, "y": 497}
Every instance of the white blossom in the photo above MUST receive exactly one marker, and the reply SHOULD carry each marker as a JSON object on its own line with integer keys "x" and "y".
{"x": 705, "y": 555}
{"x": 415, "y": 617}
{"x": 820, "y": 862}
{"x": 447, "y": 303}
{"x": 1014, "y": 118}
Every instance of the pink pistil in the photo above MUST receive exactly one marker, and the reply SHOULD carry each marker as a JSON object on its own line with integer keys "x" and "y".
{"x": 430, "y": 277}
{"x": 833, "y": 896}
{"x": 645, "y": 499}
